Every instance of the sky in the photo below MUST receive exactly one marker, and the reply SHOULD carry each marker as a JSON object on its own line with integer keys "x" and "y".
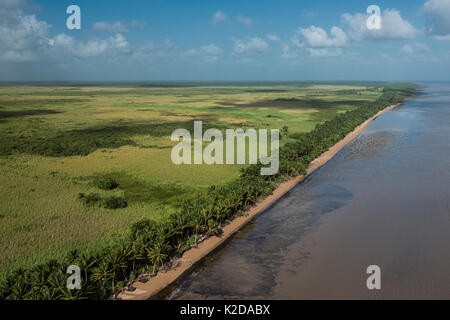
{"x": 208, "y": 40}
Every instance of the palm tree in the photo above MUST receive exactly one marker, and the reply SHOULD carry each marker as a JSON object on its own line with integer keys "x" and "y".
{"x": 137, "y": 252}
{"x": 157, "y": 254}
{"x": 40, "y": 275}
{"x": 116, "y": 262}
{"x": 102, "y": 272}
{"x": 72, "y": 256}
{"x": 20, "y": 289}
{"x": 86, "y": 261}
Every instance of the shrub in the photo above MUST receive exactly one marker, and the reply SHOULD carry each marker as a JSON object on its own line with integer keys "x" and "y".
{"x": 114, "y": 203}
{"x": 141, "y": 228}
{"x": 92, "y": 199}
{"x": 105, "y": 183}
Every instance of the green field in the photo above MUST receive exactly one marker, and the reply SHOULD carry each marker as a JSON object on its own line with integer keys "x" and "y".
{"x": 58, "y": 140}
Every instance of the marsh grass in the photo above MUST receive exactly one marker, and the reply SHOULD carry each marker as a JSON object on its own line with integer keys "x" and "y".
{"x": 55, "y": 141}
{"x": 137, "y": 190}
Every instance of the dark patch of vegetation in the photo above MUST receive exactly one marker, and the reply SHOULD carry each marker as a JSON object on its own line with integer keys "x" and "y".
{"x": 94, "y": 199}
{"x": 294, "y": 103}
{"x": 265, "y": 90}
{"x": 39, "y": 103}
{"x": 114, "y": 202}
{"x": 136, "y": 190}
{"x": 82, "y": 142}
{"x": 105, "y": 183}
{"x": 154, "y": 146}
{"x": 23, "y": 113}
{"x": 149, "y": 245}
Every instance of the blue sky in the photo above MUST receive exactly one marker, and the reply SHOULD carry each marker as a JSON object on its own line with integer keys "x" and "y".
{"x": 224, "y": 40}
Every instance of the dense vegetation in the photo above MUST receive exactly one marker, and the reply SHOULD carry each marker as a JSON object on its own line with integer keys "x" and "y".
{"x": 150, "y": 244}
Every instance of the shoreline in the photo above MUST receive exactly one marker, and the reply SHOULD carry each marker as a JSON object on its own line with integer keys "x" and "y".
{"x": 195, "y": 255}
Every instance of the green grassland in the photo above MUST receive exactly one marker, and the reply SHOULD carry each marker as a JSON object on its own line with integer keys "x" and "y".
{"x": 57, "y": 140}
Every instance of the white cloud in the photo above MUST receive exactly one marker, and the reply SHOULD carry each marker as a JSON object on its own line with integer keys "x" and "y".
{"x": 316, "y": 42}
{"x": 92, "y": 48}
{"x": 219, "y": 17}
{"x": 246, "y": 21}
{"x": 22, "y": 36}
{"x": 23, "y": 39}
{"x": 443, "y": 38}
{"x": 297, "y": 50}
{"x": 407, "y": 49}
{"x": 324, "y": 52}
{"x": 273, "y": 37}
{"x": 115, "y": 27}
{"x": 13, "y": 4}
{"x": 438, "y": 15}
{"x": 154, "y": 53}
{"x": 415, "y": 48}
{"x": 393, "y": 27}
{"x": 316, "y": 37}
{"x": 287, "y": 53}
{"x": 211, "y": 50}
{"x": 168, "y": 44}
{"x": 252, "y": 45}
{"x": 137, "y": 24}
{"x": 206, "y": 53}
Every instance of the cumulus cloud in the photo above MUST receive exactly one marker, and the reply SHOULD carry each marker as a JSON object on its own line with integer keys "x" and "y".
{"x": 211, "y": 50}
{"x": 415, "y": 48}
{"x": 438, "y": 16}
{"x": 296, "y": 50}
{"x": 219, "y": 17}
{"x": 206, "y": 53}
{"x": 316, "y": 42}
{"x": 393, "y": 27}
{"x": 273, "y": 37}
{"x": 115, "y": 27}
{"x": 151, "y": 52}
{"x": 407, "y": 49}
{"x": 443, "y": 38}
{"x": 316, "y": 37}
{"x": 13, "y": 4}
{"x": 92, "y": 48}
{"x": 245, "y": 21}
{"x": 252, "y": 45}
{"x": 324, "y": 52}
{"x": 22, "y": 36}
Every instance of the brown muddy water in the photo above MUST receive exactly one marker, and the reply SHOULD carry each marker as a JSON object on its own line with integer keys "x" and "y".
{"x": 383, "y": 200}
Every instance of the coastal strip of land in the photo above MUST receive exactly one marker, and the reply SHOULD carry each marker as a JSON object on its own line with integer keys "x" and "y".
{"x": 193, "y": 256}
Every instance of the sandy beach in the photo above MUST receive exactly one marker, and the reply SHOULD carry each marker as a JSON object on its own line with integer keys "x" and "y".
{"x": 193, "y": 256}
